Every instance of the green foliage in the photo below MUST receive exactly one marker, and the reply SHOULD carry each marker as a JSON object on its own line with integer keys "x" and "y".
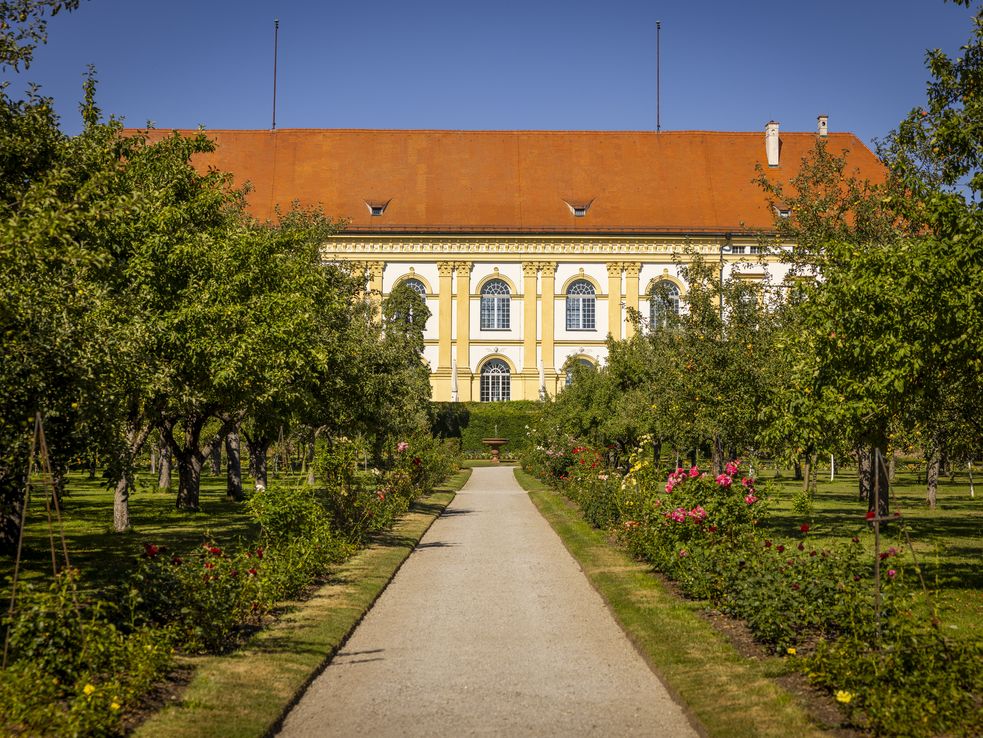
{"x": 24, "y": 25}
{"x": 472, "y": 421}
{"x": 809, "y": 600}
{"x": 917, "y": 683}
{"x": 203, "y": 596}
{"x": 71, "y": 670}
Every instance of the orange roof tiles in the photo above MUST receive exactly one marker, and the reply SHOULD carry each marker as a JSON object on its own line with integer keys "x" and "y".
{"x": 519, "y": 180}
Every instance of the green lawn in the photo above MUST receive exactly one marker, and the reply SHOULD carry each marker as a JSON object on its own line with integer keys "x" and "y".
{"x": 102, "y": 556}
{"x": 947, "y": 541}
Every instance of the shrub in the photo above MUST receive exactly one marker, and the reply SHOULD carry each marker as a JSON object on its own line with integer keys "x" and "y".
{"x": 71, "y": 670}
{"x": 204, "y": 596}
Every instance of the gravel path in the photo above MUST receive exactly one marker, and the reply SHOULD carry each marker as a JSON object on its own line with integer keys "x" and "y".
{"x": 489, "y": 628}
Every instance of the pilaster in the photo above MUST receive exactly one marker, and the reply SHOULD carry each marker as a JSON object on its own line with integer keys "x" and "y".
{"x": 547, "y": 270}
{"x": 529, "y": 364}
{"x": 463, "y": 330}
{"x": 445, "y": 315}
{"x": 614, "y": 299}
{"x": 632, "y": 270}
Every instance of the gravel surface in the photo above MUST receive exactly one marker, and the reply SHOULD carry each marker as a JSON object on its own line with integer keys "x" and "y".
{"x": 489, "y": 628}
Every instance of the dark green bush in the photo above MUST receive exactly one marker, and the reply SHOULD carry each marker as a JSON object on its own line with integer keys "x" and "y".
{"x": 472, "y": 421}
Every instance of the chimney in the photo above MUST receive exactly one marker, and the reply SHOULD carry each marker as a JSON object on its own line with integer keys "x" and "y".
{"x": 822, "y": 125}
{"x": 771, "y": 143}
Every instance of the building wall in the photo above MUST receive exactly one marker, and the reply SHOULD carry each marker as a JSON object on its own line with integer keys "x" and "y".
{"x": 537, "y": 344}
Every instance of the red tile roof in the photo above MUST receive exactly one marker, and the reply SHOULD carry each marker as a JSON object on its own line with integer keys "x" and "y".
{"x": 522, "y": 181}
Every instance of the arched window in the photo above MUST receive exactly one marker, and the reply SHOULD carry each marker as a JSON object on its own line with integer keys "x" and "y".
{"x": 416, "y": 285}
{"x": 580, "y": 361}
{"x": 495, "y": 302}
{"x": 419, "y": 288}
{"x": 581, "y": 314}
{"x": 496, "y": 384}
{"x": 663, "y": 301}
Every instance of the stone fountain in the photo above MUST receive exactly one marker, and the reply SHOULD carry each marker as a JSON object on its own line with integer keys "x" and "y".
{"x": 495, "y": 444}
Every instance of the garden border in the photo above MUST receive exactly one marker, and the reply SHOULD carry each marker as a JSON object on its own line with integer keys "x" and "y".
{"x": 249, "y": 692}
{"x": 730, "y": 695}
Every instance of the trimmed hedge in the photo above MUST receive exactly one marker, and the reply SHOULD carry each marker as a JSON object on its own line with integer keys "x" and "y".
{"x": 472, "y": 421}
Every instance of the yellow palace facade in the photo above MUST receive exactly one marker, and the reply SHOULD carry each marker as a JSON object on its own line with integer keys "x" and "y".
{"x": 529, "y": 247}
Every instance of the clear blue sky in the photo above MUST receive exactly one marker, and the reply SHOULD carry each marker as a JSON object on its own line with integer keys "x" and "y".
{"x": 532, "y": 64}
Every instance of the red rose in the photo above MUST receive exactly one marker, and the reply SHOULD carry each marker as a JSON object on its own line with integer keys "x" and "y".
{"x": 804, "y": 528}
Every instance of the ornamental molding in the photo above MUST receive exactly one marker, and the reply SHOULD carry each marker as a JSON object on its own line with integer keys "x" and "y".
{"x": 355, "y": 246}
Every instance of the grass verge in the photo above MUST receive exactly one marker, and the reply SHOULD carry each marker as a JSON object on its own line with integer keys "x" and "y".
{"x": 729, "y": 694}
{"x": 247, "y": 693}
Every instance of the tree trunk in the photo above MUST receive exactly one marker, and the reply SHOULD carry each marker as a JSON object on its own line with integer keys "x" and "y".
{"x": 864, "y": 477}
{"x": 258, "y": 447}
{"x": 934, "y": 464}
{"x": 216, "y": 459}
{"x": 797, "y": 471}
{"x": 717, "y": 454}
{"x": 136, "y": 436}
{"x": 191, "y": 455}
{"x": 164, "y": 467}
{"x": 189, "y": 480}
{"x": 972, "y": 489}
{"x": 693, "y": 457}
{"x": 121, "y": 505}
{"x": 233, "y": 467}
{"x": 260, "y": 473}
{"x": 153, "y": 460}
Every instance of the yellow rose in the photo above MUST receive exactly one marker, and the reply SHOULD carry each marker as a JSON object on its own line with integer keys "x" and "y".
{"x": 88, "y": 689}
{"x": 843, "y": 696}
{"x": 790, "y": 651}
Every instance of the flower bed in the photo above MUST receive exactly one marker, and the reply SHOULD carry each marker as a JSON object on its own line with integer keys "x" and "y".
{"x": 892, "y": 672}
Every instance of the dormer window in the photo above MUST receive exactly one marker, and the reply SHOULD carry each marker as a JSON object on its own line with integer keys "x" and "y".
{"x": 579, "y": 208}
{"x": 783, "y": 211}
{"x": 377, "y": 207}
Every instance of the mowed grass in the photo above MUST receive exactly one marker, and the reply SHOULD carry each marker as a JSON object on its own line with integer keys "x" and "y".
{"x": 947, "y": 541}
{"x": 104, "y": 557}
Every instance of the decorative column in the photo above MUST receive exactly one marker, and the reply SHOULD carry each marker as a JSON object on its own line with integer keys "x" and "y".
{"x": 632, "y": 270}
{"x": 464, "y": 330}
{"x": 445, "y": 317}
{"x": 614, "y": 300}
{"x": 529, "y": 271}
{"x": 548, "y": 288}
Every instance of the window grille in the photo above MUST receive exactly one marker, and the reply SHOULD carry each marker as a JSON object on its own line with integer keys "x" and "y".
{"x": 495, "y": 381}
{"x": 581, "y": 306}
{"x": 663, "y": 300}
{"x": 495, "y": 306}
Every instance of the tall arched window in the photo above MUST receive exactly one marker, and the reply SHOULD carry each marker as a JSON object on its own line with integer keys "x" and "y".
{"x": 418, "y": 287}
{"x": 663, "y": 301}
{"x": 496, "y": 384}
{"x": 581, "y": 313}
{"x": 495, "y": 306}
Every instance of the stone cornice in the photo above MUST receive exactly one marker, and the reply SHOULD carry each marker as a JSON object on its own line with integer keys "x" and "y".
{"x": 364, "y": 246}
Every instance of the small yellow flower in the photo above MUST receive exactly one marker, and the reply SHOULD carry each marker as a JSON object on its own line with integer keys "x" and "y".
{"x": 114, "y": 706}
{"x": 843, "y": 696}
{"x": 790, "y": 651}
{"x": 88, "y": 689}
